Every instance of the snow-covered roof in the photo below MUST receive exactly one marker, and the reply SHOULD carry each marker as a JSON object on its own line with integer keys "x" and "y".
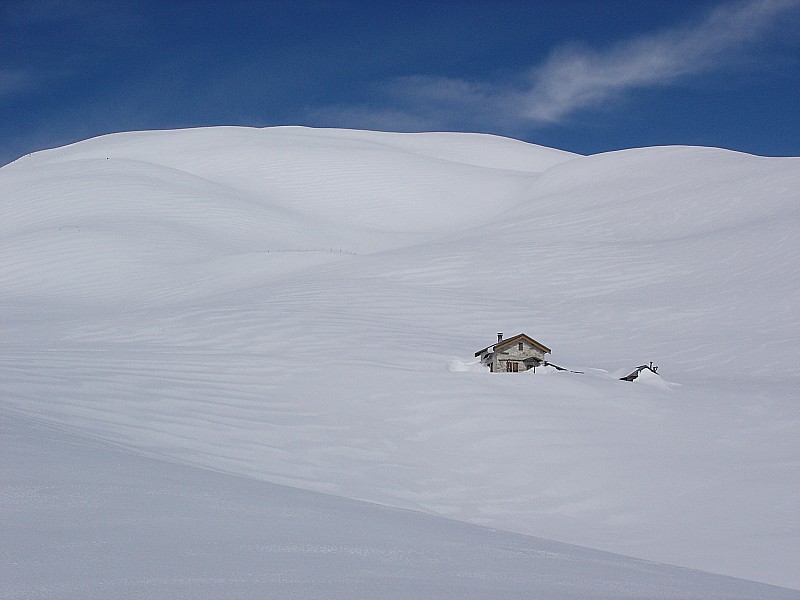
{"x": 513, "y": 340}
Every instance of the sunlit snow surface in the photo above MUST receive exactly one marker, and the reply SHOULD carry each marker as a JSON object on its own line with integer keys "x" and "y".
{"x": 86, "y": 520}
{"x": 301, "y": 307}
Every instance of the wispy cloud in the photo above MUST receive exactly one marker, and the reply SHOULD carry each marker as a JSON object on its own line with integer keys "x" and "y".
{"x": 574, "y": 77}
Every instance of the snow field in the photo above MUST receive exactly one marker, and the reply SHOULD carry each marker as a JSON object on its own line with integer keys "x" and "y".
{"x": 87, "y": 520}
{"x": 283, "y": 304}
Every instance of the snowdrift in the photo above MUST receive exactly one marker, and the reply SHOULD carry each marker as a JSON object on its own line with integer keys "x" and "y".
{"x": 287, "y": 304}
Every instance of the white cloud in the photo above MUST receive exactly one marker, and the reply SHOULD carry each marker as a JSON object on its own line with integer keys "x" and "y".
{"x": 574, "y": 78}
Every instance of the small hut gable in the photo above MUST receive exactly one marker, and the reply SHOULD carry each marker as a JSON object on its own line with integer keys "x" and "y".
{"x": 633, "y": 375}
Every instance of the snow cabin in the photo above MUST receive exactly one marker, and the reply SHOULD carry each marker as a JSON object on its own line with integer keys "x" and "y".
{"x": 635, "y": 373}
{"x": 518, "y": 353}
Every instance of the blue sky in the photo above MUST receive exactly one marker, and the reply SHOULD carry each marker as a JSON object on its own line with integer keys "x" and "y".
{"x": 586, "y": 76}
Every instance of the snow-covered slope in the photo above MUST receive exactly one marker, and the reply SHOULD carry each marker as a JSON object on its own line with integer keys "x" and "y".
{"x": 301, "y": 307}
{"x": 89, "y": 521}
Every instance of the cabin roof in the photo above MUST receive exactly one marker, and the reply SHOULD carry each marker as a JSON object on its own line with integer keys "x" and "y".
{"x": 513, "y": 340}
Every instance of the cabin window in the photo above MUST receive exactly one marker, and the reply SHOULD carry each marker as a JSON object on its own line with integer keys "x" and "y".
{"x": 512, "y": 367}
{"x": 521, "y": 346}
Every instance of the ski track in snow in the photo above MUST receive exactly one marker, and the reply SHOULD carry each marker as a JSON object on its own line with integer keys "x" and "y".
{"x": 283, "y": 304}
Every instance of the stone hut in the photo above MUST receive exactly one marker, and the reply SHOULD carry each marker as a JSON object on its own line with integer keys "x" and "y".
{"x": 518, "y": 353}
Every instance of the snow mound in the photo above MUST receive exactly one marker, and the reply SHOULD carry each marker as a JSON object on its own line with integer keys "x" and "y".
{"x": 648, "y": 377}
{"x": 281, "y": 304}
